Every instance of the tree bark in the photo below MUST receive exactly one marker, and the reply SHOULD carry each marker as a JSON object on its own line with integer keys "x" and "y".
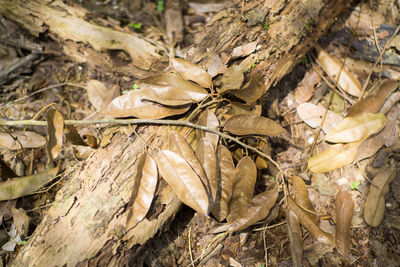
{"x": 86, "y": 226}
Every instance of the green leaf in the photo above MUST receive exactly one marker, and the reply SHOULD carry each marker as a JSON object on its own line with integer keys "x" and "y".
{"x": 135, "y": 86}
{"x": 22, "y": 243}
{"x": 266, "y": 26}
{"x": 160, "y": 6}
{"x": 136, "y": 26}
{"x": 354, "y": 185}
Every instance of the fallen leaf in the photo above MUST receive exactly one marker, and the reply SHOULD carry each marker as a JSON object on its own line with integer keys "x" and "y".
{"x": 232, "y": 79}
{"x": 302, "y": 199}
{"x": 392, "y": 99}
{"x": 73, "y": 137}
{"x": 252, "y": 91}
{"x": 307, "y": 222}
{"x": 207, "y": 118}
{"x": 19, "y": 140}
{"x": 55, "y": 130}
{"x": 244, "y": 50}
{"x": 99, "y": 95}
{"x": 352, "y": 129}
{"x": 334, "y": 157}
{"x": 192, "y": 72}
{"x": 237, "y": 108}
{"x": 344, "y": 214}
{"x": 164, "y": 95}
{"x": 205, "y": 152}
{"x": 243, "y": 188}
{"x": 347, "y": 81}
{"x": 216, "y": 66}
{"x": 295, "y": 237}
{"x": 21, "y": 221}
{"x": 183, "y": 180}
{"x": 244, "y": 124}
{"x": 312, "y": 115}
{"x": 374, "y": 208}
{"x": 305, "y": 91}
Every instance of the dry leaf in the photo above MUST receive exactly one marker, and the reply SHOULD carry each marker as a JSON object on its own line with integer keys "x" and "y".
{"x": 206, "y": 154}
{"x": 196, "y": 92}
{"x": 375, "y": 204}
{"x": 23, "y": 186}
{"x": 225, "y": 178}
{"x": 243, "y": 188}
{"x": 305, "y": 91}
{"x": 55, "y": 130}
{"x": 295, "y": 237}
{"x": 334, "y": 157}
{"x": 207, "y": 118}
{"x": 216, "y": 66}
{"x": 192, "y": 72}
{"x": 232, "y": 79}
{"x": 352, "y": 129}
{"x": 372, "y": 103}
{"x": 99, "y": 95}
{"x": 21, "y": 221}
{"x": 237, "y": 108}
{"x": 73, "y": 137}
{"x": 392, "y": 99}
{"x": 183, "y": 180}
{"x": 347, "y": 81}
{"x": 344, "y": 213}
{"x": 312, "y": 115}
{"x": 19, "y": 140}
{"x": 134, "y": 105}
{"x": 307, "y": 222}
{"x": 302, "y": 199}
{"x": 165, "y": 95}
{"x": 252, "y": 91}
{"x": 146, "y": 186}
{"x": 244, "y": 50}
{"x": 249, "y": 124}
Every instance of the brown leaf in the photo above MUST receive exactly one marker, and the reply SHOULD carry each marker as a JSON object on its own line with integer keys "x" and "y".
{"x": 372, "y": 103}
{"x": 134, "y": 105}
{"x": 392, "y": 99}
{"x": 232, "y": 79}
{"x": 196, "y": 92}
{"x": 252, "y": 91}
{"x": 237, "y": 108}
{"x": 295, "y": 237}
{"x": 243, "y": 188}
{"x": 192, "y": 72}
{"x": 305, "y": 91}
{"x": 99, "y": 95}
{"x": 244, "y": 50}
{"x": 207, "y": 118}
{"x": 146, "y": 184}
{"x": 312, "y": 115}
{"x": 308, "y": 223}
{"x": 206, "y": 154}
{"x": 225, "y": 178}
{"x": 334, "y": 157}
{"x": 347, "y": 81}
{"x": 73, "y": 137}
{"x": 19, "y": 140}
{"x": 344, "y": 213}
{"x": 183, "y": 180}
{"x": 375, "y": 204}
{"x": 302, "y": 199}
{"x": 21, "y": 221}
{"x": 165, "y": 95}
{"x": 55, "y": 129}
{"x": 249, "y": 124}
{"x": 352, "y": 129}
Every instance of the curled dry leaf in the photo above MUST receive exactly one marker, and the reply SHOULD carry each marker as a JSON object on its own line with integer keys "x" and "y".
{"x": 205, "y": 152}
{"x": 19, "y": 140}
{"x": 372, "y": 103}
{"x": 295, "y": 237}
{"x": 252, "y": 91}
{"x": 244, "y": 124}
{"x": 73, "y": 137}
{"x": 144, "y": 188}
{"x": 99, "y": 95}
{"x": 55, "y": 129}
{"x": 196, "y": 92}
{"x": 352, "y": 129}
{"x": 375, "y": 204}
{"x": 134, "y": 104}
{"x": 27, "y": 185}
{"x": 232, "y": 79}
{"x": 312, "y": 115}
{"x": 192, "y": 72}
{"x": 226, "y": 173}
{"x": 334, "y": 157}
{"x": 207, "y": 118}
{"x": 183, "y": 180}
{"x": 344, "y": 213}
{"x": 302, "y": 199}
{"x": 243, "y": 188}
{"x": 393, "y": 99}
{"x": 347, "y": 81}
{"x": 237, "y": 108}
{"x": 308, "y": 223}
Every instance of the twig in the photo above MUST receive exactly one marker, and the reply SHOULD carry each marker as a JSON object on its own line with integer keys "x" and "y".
{"x": 190, "y": 246}
{"x": 265, "y": 246}
{"x": 22, "y": 62}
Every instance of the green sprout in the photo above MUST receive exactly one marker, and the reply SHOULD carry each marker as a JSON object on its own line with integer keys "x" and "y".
{"x": 22, "y": 243}
{"x": 266, "y": 26}
{"x": 135, "y": 86}
{"x": 136, "y": 26}
{"x": 160, "y": 6}
{"x": 253, "y": 66}
{"x": 308, "y": 24}
{"x": 354, "y": 185}
{"x": 304, "y": 61}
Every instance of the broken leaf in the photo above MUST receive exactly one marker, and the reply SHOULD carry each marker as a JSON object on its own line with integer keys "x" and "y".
{"x": 55, "y": 130}
{"x": 207, "y": 118}
{"x": 344, "y": 213}
{"x": 334, "y": 157}
{"x": 249, "y": 124}
{"x": 252, "y": 91}
{"x": 302, "y": 199}
{"x": 347, "y": 81}
{"x": 19, "y": 140}
{"x": 205, "y": 152}
{"x": 295, "y": 237}
{"x": 375, "y": 204}
{"x": 352, "y": 129}
{"x": 99, "y": 95}
{"x": 192, "y": 72}
{"x": 183, "y": 180}
{"x": 232, "y": 79}
{"x": 312, "y": 115}
{"x": 243, "y": 188}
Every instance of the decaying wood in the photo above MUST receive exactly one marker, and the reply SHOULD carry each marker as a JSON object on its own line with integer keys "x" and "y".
{"x": 86, "y": 226}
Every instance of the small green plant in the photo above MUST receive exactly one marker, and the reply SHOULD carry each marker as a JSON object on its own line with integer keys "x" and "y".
{"x": 253, "y": 66}
{"x": 354, "y": 185}
{"x": 308, "y": 24}
{"x": 135, "y": 86}
{"x": 22, "y": 243}
{"x": 266, "y": 26}
{"x": 136, "y": 26}
{"x": 160, "y": 6}
{"x": 304, "y": 61}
